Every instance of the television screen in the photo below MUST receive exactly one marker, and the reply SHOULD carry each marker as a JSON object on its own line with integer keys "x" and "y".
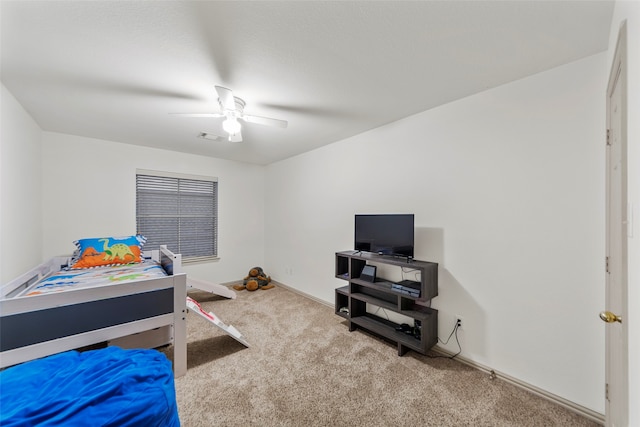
{"x": 385, "y": 234}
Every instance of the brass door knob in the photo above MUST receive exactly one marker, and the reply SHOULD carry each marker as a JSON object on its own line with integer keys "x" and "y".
{"x": 609, "y": 317}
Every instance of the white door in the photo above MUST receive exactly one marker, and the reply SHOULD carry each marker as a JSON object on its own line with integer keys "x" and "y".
{"x": 615, "y": 314}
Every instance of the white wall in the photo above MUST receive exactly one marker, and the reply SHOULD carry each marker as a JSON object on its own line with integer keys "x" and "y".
{"x": 630, "y": 11}
{"x": 20, "y": 189}
{"x": 89, "y": 191}
{"x": 507, "y": 188}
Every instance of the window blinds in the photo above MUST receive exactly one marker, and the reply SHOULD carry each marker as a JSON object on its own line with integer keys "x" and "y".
{"x": 181, "y": 213}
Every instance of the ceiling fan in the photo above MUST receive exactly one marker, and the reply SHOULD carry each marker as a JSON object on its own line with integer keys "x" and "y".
{"x": 232, "y": 109}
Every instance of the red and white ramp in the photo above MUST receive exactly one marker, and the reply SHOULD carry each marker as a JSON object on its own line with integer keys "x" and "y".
{"x": 228, "y": 329}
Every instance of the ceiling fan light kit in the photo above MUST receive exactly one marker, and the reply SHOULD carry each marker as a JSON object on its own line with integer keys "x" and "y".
{"x": 231, "y": 126}
{"x": 233, "y": 109}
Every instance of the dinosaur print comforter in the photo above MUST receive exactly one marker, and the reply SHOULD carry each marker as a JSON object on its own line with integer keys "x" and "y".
{"x": 73, "y": 279}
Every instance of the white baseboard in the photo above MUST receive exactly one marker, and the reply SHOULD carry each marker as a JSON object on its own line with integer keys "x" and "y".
{"x": 581, "y": 410}
{"x": 296, "y": 291}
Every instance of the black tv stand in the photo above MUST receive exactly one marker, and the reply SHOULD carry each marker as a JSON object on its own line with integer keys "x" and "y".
{"x": 351, "y": 300}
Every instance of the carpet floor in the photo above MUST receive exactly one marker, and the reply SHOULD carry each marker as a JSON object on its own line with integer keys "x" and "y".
{"x": 304, "y": 368}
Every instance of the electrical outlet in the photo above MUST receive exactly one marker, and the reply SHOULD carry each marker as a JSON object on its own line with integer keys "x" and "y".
{"x": 459, "y": 321}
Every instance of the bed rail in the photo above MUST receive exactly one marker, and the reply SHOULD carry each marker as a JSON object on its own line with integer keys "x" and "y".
{"x": 25, "y": 280}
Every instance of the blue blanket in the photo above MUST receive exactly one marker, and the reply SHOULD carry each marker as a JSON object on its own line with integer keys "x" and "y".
{"x": 107, "y": 387}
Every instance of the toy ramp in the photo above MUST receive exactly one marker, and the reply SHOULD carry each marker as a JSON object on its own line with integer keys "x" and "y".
{"x": 228, "y": 329}
{"x": 214, "y": 288}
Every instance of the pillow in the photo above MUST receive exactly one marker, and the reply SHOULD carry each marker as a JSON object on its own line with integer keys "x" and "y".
{"x": 104, "y": 251}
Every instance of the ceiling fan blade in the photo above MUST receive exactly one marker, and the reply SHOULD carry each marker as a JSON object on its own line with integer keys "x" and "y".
{"x": 197, "y": 114}
{"x": 226, "y": 98}
{"x": 266, "y": 121}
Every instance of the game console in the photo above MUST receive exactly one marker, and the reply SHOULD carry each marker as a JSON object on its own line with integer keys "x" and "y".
{"x": 407, "y": 287}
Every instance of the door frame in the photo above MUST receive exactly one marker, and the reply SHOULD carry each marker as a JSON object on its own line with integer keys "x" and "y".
{"x": 617, "y": 374}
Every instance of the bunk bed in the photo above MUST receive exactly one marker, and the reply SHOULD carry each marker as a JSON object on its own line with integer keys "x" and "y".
{"x": 38, "y": 320}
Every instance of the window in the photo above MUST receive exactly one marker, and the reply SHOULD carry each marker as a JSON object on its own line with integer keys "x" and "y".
{"x": 180, "y": 211}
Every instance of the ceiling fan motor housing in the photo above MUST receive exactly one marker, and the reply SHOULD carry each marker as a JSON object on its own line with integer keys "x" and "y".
{"x": 239, "y": 106}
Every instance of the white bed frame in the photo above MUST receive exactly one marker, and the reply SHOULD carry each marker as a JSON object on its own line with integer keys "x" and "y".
{"x": 32, "y": 327}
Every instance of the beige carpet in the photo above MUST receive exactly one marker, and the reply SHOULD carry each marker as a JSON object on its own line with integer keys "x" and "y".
{"x": 304, "y": 368}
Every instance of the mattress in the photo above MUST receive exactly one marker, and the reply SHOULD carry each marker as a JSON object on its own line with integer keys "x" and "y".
{"x": 107, "y": 387}
{"x": 100, "y": 276}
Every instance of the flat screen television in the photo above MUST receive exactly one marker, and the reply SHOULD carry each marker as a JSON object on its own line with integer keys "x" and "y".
{"x": 385, "y": 234}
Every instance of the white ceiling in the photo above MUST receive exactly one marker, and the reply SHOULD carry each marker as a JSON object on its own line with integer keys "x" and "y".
{"x": 114, "y": 70}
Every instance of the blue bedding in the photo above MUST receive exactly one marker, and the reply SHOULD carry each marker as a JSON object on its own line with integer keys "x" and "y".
{"x": 106, "y": 387}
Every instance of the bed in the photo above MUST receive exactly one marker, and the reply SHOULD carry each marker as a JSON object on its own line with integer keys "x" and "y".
{"x": 50, "y": 310}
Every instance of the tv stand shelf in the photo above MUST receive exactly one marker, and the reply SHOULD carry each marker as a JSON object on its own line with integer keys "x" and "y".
{"x": 351, "y": 301}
